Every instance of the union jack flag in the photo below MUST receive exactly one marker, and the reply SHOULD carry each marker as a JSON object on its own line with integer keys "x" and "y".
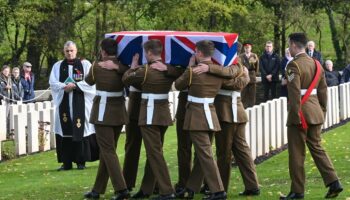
{"x": 178, "y": 46}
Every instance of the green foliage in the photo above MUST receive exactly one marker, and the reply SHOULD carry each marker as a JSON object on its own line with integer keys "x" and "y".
{"x": 35, "y": 177}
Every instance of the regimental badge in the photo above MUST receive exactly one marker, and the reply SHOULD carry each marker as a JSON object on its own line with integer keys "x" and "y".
{"x": 65, "y": 119}
{"x": 78, "y": 123}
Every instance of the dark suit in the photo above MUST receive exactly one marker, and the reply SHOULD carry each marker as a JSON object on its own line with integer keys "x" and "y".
{"x": 269, "y": 64}
{"x": 300, "y": 73}
{"x": 315, "y": 54}
{"x": 107, "y": 125}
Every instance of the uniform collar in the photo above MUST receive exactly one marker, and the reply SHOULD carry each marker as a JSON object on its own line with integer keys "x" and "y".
{"x": 300, "y": 54}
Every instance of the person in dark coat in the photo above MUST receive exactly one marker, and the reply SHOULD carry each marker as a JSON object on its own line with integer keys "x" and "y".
{"x": 346, "y": 75}
{"x": 17, "y": 88}
{"x": 310, "y": 50}
{"x": 332, "y": 76}
{"x": 269, "y": 67}
{"x": 27, "y": 80}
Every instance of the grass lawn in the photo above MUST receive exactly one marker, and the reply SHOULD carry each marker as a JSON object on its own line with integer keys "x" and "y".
{"x": 35, "y": 176}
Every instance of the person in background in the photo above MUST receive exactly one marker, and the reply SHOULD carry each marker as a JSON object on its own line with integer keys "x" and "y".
{"x": 6, "y": 91}
{"x": 269, "y": 66}
{"x": 310, "y": 50}
{"x": 27, "y": 80}
{"x": 251, "y": 61}
{"x": 333, "y": 77}
{"x": 17, "y": 88}
{"x": 287, "y": 58}
{"x": 346, "y": 75}
{"x": 5, "y": 83}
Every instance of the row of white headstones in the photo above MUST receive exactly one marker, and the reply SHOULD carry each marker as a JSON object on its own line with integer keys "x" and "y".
{"x": 265, "y": 131}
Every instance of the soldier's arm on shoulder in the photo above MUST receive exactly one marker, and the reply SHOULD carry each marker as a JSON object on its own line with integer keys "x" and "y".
{"x": 122, "y": 68}
{"x": 322, "y": 92}
{"x": 134, "y": 76}
{"x": 224, "y": 72}
{"x": 90, "y": 79}
{"x": 174, "y": 71}
{"x": 184, "y": 81}
{"x": 293, "y": 86}
{"x": 237, "y": 83}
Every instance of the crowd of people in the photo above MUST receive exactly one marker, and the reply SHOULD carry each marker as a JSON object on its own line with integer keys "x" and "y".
{"x": 90, "y": 114}
{"x": 270, "y": 65}
{"x": 16, "y": 84}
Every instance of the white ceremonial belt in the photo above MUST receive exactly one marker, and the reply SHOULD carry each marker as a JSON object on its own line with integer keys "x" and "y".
{"x": 234, "y": 95}
{"x": 150, "y": 103}
{"x": 133, "y": 89}
{"x": 205, "y": 102}
{"x": 103, "y": 101}
{"x": 303, "y": 92}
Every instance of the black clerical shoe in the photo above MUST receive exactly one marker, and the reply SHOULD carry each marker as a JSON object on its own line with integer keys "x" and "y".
{"x": 92, "y": 195}
{"x": 292, "y": 195}
{"x": 334, "y": 189}
{"x": 140, "y": 195}
{"x": 121, "y": 195}
{"x": 164, "y": 197}
{"x": 185, "y": 193}
{"x": 178, "y": 188}
{"x": 81, "y": 166}
{"x": 205, "y": 190}
{"x": 64, "y": 167}
{"x": 254, "y": 192}
{"x": 216, "y": 196}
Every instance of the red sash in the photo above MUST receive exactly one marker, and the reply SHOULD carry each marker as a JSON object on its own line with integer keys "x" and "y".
{"x": 308, "y": 92}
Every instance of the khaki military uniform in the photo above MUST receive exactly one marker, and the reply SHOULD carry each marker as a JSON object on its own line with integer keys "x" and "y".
{"x": 248, "y": 94}
{"x": 154, "y": 119}
{"x": 300, "y": 73}
{"x": 108, "y": 114}
{"x": 201, "y": 121}
{"x": 184, "y": 143}
{"x": 231, "y": 139}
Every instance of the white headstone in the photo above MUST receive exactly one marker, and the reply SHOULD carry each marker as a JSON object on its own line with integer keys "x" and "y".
{"x": 13, "y": 112}
{"x": 22, "y": 108}
{"x": 329, "y": 108}
{"x": 20, "y": 135}
{"x": 30, "y": 107}
{"x": 52, "y": 129}
{"x": 47, "y": 104}
{"x": 171, "y": 104}
{"x": 259, "y": 131}
{"x": 347, "y": 92}
{"x": 39, "y": 106}
{"x": 247, "y": 127}
{"x": 266, "y": 127}
{"x": 284, "y": 115}
{"x": 44, "y": 116}
{"x": 337, "y": 105}
{"x": 272, "y": 108}
{"x": 32, "y": 130}
{"x": 252, "y": 117}
{"x": 334, "y": 104}
{"x": 278, "y": 123}
{"x": 3, "y": 125}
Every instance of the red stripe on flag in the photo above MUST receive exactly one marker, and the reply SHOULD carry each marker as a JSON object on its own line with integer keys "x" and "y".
{"x": 235, "y": 61}
{"x": 119, "y": 38}
{"x": 230, "y": 39}
{"x": 187, "y": 42}
{"x": 162, "y": 40}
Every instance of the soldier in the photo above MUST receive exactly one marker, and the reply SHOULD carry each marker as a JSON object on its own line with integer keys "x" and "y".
{"x": 251, "y": 61}
{"x": 231, "y": 139}
{"x": 155, "y": 115}
{"x": 184, "y": 144}
{"x": 109, "y": 102}
{"x": 307, "y": 91}
{"x": 201, "y": 122}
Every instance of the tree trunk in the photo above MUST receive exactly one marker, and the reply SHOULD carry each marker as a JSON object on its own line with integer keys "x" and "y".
{"x": 98, "y": 31}
{"x": 276, "y": 28}
{"x": 335, "y": 37}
